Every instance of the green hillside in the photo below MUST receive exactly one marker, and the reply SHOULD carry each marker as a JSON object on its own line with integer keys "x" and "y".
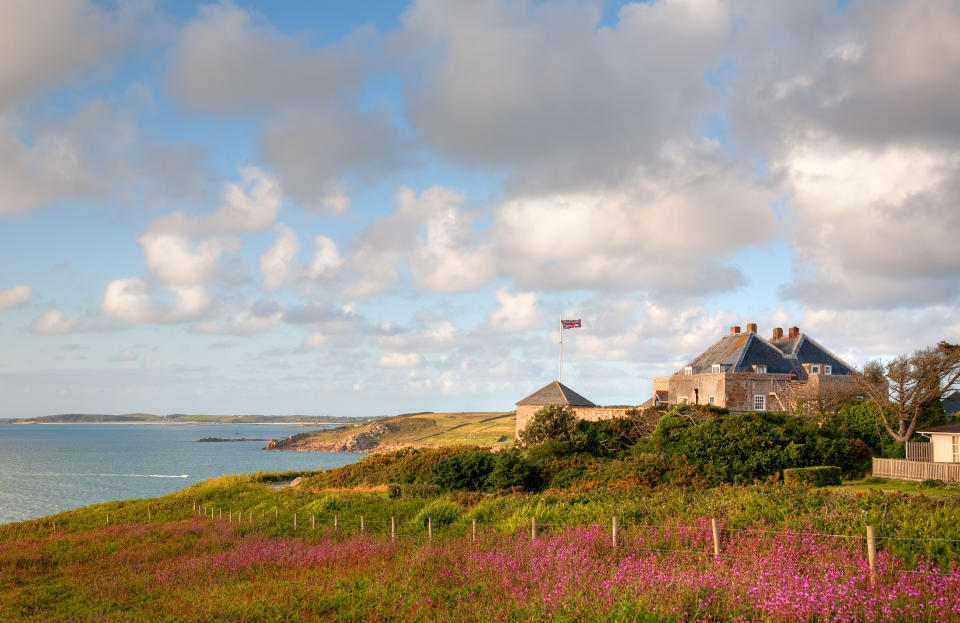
{"x": 412, "y": 429}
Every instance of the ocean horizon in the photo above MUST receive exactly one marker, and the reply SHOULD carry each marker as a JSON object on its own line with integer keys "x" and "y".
{"x": 48, "y": 468}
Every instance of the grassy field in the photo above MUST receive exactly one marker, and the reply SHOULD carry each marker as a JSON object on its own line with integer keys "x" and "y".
{"x": 229, "y": 549}
{"x": 491, "y": 429}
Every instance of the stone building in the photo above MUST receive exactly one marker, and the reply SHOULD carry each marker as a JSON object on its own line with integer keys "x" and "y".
{"x": 743, "y": 371}
{"x": 557, "y": 393}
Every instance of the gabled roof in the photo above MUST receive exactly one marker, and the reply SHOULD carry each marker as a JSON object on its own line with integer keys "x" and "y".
{"x": 740, "y": 352}
{"x": 556, "y": 393}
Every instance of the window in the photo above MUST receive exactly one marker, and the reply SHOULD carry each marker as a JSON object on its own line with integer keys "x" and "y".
{"x": 716, "y": 368}
{"x": 682, "y": 400}
{"x": 814, "y": 368}
{"x": 761, "y": 369}
{"x": 828, "y": 369}
{"x": 759, "y": 402}
{"x": 711, "y": 399}
{"x": 688, "y": 370}
{"x": 956, "y": 448}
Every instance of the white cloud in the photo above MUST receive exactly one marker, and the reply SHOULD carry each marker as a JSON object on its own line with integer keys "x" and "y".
{"x": 54, "y": 322}
{"x": 15, "y": 296}
{"x": 130, "y": 300}
{"x": 125, "y": 355}
{"x": 400, "y": 360}
{"x": 278, "y": 264}
{"x": 243, "y": 323}
{"x": 326, "y": 258}
{"x": 171, "y": 259}
{"x": 518, "y": 311}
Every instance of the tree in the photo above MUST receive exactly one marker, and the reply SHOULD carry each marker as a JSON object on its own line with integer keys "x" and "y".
{"x": 552, "y": 423}
{"x": 909, "y": 385}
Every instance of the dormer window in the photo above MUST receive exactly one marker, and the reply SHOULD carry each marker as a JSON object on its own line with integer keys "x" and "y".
{"x": 688, "y": 371}
{"x": 814, "y": 368}
{"x": 761, "y": 368}
{"x": 716, "y": 368}
{"x": 827, "y": 369}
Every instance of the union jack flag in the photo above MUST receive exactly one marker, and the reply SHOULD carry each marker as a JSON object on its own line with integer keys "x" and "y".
{"x": 570, "y": 324}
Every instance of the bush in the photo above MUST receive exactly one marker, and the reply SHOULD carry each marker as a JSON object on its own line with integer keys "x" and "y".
{"x": 394, "y": 491}
{"x": 418, "y": 491}
{"x": 932, "y": 483}
{"x": 511, "y": 469}
{"x": 440, "y": 512}
{"x": 818, "y": 476}
{"x": 552, "y": 423}
{"x": 463, "y": 472}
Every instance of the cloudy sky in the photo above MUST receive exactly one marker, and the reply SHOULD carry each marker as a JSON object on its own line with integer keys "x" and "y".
{"x": 371, "y": 207}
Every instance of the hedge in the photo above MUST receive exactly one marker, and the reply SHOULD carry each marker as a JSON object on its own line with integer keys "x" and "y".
{"x": 819, "y": 476}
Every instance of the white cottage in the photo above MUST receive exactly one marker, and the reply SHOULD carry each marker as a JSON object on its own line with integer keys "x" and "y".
{"x": 945, "y": 441}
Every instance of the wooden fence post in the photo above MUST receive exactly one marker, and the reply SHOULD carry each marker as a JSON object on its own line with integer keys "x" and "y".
{"x": 294, "y": 521}
{"x": 393, "y": 528}
{"x": 313, "y": 522}
{"x": 148, "y": 513}
{"x": 251, "y": 517}
{"x": 429, "y": 529}
{"x": 872, "y": 555}
{"x": 276, "y": 513}
{"x": 336, "y": 526}
{"x": 533, "y": 528}
{"x": 715, "y": 528}
{"x": 108, "y": 517}
{"x": 362, "y": 526}
{"x": 474, "y": 529}
{"x": 614, "y": 532}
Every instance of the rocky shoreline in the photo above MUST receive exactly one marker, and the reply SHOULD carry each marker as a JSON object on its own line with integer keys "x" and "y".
{"x": 365, "y": 441}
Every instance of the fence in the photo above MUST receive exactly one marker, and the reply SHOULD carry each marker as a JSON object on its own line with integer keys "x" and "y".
{"x": 919, "y": 451}
{"x": 916, "y": 470}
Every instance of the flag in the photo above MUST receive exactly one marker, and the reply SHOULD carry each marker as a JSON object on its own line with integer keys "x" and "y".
{"x": 570, "y": 324}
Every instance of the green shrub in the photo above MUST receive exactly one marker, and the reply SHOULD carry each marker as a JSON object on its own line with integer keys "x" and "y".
{"x": 440, "y": 512}
{"x": 394, "y": 491}
{"x": 818, "y": 476}
{"x": 418, "y": 491}
{"x": 552, "y": 423}
{"x": 463, "y": 472}
{"x": 511, "y": 469}
{"x": 932, "y": 483}
{"x": 875, "y": 480}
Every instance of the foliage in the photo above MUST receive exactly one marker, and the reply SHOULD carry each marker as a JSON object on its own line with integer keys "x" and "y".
{"x": 512, "y": 470}
{"x": 405, "y": 466}
{"x": 818, "y": 476}
{"x": 552, "y": 423}
{"x": 467, "y": 471}
{"x": 439, "y": 512}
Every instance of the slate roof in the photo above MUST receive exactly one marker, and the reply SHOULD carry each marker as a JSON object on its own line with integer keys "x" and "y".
{"x": 946, "y": 428}
{"x": 740, "y": 352}
{"x": 556, "y": 393}
{"x": 951, "y": 403}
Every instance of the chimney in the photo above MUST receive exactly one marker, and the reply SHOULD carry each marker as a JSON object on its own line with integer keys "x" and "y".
{"x": 794, "y": 333}
{"x": 734, "y": 329}
{"x": 751, "y": 327}
{"x": 778, "y": 333}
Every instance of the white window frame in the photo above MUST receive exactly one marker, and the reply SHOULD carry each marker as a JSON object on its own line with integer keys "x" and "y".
{"x": 716, "y": 368}
{"x": 688, "y": 371}
{"x": 711, "y": 399}
{"x": 683, "y": 400}
{"x": 759, "y": 402}
{"x": 828, "y": 369}
{"x": 814, "y": 368}
{"x": 761, "y": 368}
{"x": 955, "y": 442}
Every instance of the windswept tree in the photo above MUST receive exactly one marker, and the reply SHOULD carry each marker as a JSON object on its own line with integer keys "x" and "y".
{"x": 902, "y": 389}
{"x": 552, "y": 423}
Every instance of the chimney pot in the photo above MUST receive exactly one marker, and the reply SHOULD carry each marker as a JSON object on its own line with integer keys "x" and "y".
{"x": 752, "y": 327}
{"x": 734, "y": 329}
{"x": 777, "y": 333}
{"x": 794, "y": 333}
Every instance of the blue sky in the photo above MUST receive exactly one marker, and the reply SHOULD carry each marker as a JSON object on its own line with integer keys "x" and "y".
{"x": 369, "y": 207}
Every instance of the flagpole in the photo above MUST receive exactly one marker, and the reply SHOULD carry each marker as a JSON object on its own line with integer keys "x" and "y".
{"x": 560, "y": 360}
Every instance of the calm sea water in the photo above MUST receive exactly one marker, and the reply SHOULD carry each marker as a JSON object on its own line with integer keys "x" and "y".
{"x": 47, "y": 468}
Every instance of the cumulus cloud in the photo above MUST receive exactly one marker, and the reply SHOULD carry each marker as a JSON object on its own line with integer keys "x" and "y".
{"x": 43, "y": 48}
{"x": 545, "y": 89}
{"x": 131, "y": 300}
{"x": 429, "y": 233}
{"x": 15, "y": 296}
{"x": 55, "y": 322}
{"x": 227, "y": 61}
{"x": 400, "y": 360}
{"x": 278, "y": 264}
{"x": 326, "y": 258}
{"x": 515, "y": 311}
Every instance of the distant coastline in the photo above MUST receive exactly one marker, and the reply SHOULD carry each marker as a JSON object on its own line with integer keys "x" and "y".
{"x": 180, "y": 418}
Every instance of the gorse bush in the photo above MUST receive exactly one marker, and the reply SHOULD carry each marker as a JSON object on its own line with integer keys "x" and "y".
{"x": 468, "y": 471}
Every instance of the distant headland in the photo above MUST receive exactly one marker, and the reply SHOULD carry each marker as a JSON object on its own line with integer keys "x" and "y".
{"x": 182, "y": 418}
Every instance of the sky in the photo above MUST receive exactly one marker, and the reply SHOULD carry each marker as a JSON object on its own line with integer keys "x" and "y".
{"x": 368, "y": 208}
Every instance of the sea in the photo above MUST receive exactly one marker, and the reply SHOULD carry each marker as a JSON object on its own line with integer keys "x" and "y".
{"x": 47, "y": 468}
